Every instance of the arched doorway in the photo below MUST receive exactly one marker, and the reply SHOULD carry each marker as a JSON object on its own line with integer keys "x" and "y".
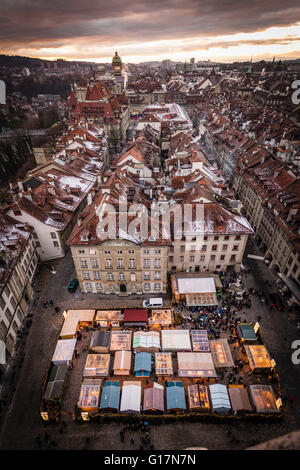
{"x": 122, "y": 288}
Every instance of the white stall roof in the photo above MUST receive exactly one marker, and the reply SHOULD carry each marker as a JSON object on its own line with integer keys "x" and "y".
{"x": 175, "y": 340}
{"x": 73, "y": 317}
{"x": 131, "y": 397}
{"x": 193, "y": 285}
{"x": 64, "y": 351}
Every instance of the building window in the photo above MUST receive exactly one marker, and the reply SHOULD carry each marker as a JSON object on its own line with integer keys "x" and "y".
{"x": 193, "y": 248}
{"x": 132, "y": 277}
{"x": 235, "y": 247}
{"x": 157, "y": 252}
{"x": 182, "y": 248}
{"x": 146, "y": 263}
{"x": 232, "y": 257}
{"x": 110, "y": 277}
{"x": 213, "y": 257}
{"x": 238, "y": 237}
{"x": 157, "y": 275}
{"x": 222, "y": 257}
{"x": 37, "y": 244}
{"x": 205, "y": 238}
{"x": 83, "y": 263}
{"x": 122, "y": 277}
{"x": 146, "y": 276}
{"x": 107, "y": 252}
{"x": 192, "y": 258}
{"x": 157, "y": 263}
{"x": 120, "y": 264}
{"x": 216, "y": 238}
{"x": 97, "y": 275}
{"x": 202, "y": 258}
{"x": 94, "y": 263}
{"x": 119, "y": 252}
{"x": 131, "y": 252}
{"x": 181, "y": 259}
{"x": 81, "y": 252}
{"x": 108, "y": 263}
{"x": 171, "y": 259}
{"x": 53, "y": 235}
{"x": 157, "y": 286}
{"x": 88, "y": 286}
{"x": 147, "y": 286}
{"x": 56, "y": 244}
{"x": 146, "y": 252}
{"x": 98, "y": 286}
{"x": 224, "y": 247}
{"x": 131, "y": 263}
{"x": 214, "y": 247}
{"x": 133, "y": 287}
{"x": 226, "y": 237}
{"x": 112, "y": 286}
{"x": 86, "y": 275}
{"x": 203, "y": 247}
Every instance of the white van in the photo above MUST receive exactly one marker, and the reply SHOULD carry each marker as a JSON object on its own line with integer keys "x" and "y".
{"x": 153, "y": 303}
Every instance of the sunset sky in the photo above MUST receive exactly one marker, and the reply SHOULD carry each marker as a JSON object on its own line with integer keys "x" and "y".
{"x": 141, "y": 30}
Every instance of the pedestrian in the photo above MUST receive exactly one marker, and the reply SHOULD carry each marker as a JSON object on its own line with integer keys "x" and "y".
{"x": 51, "y": 302}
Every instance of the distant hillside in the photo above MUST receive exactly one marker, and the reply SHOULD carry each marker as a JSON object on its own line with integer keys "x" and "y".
{"x": 19, "y": 61}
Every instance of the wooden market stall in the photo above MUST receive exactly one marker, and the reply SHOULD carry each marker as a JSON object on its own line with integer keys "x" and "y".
{"x": 196, "y": 289}
{"x": 122, "y": 363}
{"x": 147, "y": 341}
{"x": 239, "y": 398}
{"x": 221, "y": 354}
{"x": 161, "y": 317}
{"x": 97, "y": 365}
{"x": 100, "y": 341}
{"x": 175, "y": 340}
{"x": 258, "y": 357}
{"x": 163, "y": 363}
{"x": 90, "y": 395}
{"x": 192, "y": 364}
{"x": 263, "y": 399}
{"x": 64, "y": 351}
{"x": 108, "y": 318}
{"x": 120, "y": 340}
{"x": 200, "y": 341}
{"x": 246, "y": 333}
{"x": 131, "y": 397}
{"x": 154, "y": 397}
{"x": 75, "y": 320}
{"x": 135, "y": 318}
{"x": 198, "y": 397}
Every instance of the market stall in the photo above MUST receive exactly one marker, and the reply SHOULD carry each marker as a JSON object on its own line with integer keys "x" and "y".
{"x": 96, "y": 365}
{"x": 198, "y": 397}
{"x": 108, "y": 318}
{"x": 120, "y": 341}
{"x": 246, "y": 333}
{"x": 63, "y": 352}
{"x": 163, "y": 363}
{"x": 219, "y": 398}
{"x": 239, "y": 398}
{"x": 131, "y": 397}
{"x": 100, "y": 341}
{"x": 175, "y": 397}
{"x": 221, "y": 354}
{"x": 122, "y": 363}
{"x": 55, "y": 383}
{"x": 74, "y": 320}
{"x": 196, "y": 289}
{"x": 142, "y": 364}
{"x": 135, "y": 318}
{"x": 110, "y": 397}
{"x": 146, "y": 341}
{"x": 192, "y": 364}
{"x": 200, "y": 341}
{"x": 154, "y": 397}
{"x": 90, "y": 395}
{"x": 161, "y": 317}
{"x": 258, "y": 357}
{"x": 175, "y": 340}
{"x": 263, "y": 399}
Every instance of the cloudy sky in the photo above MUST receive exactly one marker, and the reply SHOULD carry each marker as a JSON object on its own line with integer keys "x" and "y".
{"x": 151, "y": 29}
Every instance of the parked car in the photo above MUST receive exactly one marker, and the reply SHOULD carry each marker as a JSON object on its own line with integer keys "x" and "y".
{"x": 153, "y": 302}
{"x": 73, "y": 285}
{"x": 277, "y": 301}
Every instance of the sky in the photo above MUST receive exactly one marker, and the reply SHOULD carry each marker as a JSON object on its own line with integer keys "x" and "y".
{"x": 144, "y": 30}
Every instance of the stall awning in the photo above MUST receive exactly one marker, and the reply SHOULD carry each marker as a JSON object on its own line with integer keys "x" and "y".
{"x": 201, "y": 299}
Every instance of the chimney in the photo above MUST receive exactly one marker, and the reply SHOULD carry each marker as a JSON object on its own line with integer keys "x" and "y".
{"x": 20, "y": 184}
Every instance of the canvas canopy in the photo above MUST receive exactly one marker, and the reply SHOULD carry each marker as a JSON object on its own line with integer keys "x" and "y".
{"x": 196, "y": 285}
{"x": 146, "y": 341}
{"x": 192, "y": 364}
{"x": 175, "y": 340}
{"x": 110, "y": 398}
{"x": 221, "y": 353}
{"x": 263, "y": 398}
{"x": 64, "y": 351}
{"x": 239, "y": 399}
{"x": 96, "y": 365}
{"x": 120, "y": 340}
{"x": 122, "y": 363}
{"x": 90, "y": 395}
{"x": 198, "y": 397}
{"x": 219, "y": 398}
{"x": 131, "y": 397}
{"x": 135, "y": 316}
{"x": 73, "y": 317}
{"x": 100, "y": 341}
{"x": 175, "y": 398}
{"x": 161, "y": 317}
{"x": 55, "y": 384}
{"x": 258, "y": 356}
{"x": 154, "y": 397}
{"x": 163, "y": 364}
{"x": 200, "y": 341}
